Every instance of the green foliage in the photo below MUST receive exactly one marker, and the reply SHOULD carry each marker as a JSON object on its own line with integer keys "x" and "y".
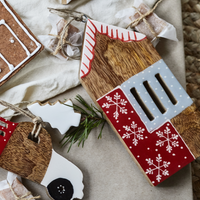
{"x": 91, "y": 118}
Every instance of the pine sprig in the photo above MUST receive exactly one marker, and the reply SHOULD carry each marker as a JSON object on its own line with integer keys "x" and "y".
{"x": 91, "y": 118}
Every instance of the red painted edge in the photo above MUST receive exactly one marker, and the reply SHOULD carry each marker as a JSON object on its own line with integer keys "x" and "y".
{"x": 110, "y": 36}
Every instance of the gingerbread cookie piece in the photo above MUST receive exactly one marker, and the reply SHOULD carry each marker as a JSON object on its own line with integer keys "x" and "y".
{"x": 18, "y": 45}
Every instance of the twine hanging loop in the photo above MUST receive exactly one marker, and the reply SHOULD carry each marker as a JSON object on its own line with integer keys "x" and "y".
{"x": 35, "y": 119}
{"x": 75, "y": 16}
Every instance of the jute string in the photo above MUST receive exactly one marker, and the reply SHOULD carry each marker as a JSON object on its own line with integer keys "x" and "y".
{"x": 142, "y": 17}
{"x": 62, "y": 41}
{"x": 36, "y": 120}
{"x": 15, "y": 114}
{"x": 23, "y": 197}
{"x": 75, "y": 15}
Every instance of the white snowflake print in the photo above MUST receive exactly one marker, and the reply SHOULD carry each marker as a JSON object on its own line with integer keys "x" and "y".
{"x": 170, "y": 139}
{"x": 118, "y": 103}
{"x": 133, "y": 130}
{"x": 160, "y": 167}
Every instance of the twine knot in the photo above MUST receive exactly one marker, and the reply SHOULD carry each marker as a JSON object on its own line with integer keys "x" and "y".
{"x": 62, "y": 37}
{"x": 78, "y": 19}
{"x": 81, "y": 18}
{"x": 142, "y": 18}
{"x": 37, "y": 120}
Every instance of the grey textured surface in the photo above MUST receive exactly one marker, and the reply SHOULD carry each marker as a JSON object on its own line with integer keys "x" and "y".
{"x": 109, "y": 171}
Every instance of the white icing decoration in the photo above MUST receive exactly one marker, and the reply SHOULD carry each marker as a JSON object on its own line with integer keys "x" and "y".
{"x": 12, "y": 41}
{"x": 11, "y": 67}
{"x": 59, "y": 167}
{"x": 58, "y": 115}
{"x": 2, "y": 22}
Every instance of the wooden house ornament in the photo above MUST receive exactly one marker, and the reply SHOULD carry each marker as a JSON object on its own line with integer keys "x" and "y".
{"x": 37, "y": 161}
{"x": 143, "y": 102}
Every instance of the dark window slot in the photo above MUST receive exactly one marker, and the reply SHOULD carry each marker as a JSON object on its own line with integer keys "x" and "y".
{"x": 33, "y": 138}
{"x": 142, "y": 104}
{"x": 166, "y": 89}
{"x": 154, "y": 97}
{"x": 2, "y": 124}
{"x": 2, "y": 133}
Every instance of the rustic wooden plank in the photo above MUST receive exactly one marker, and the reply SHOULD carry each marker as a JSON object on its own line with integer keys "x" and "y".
{"x": 187, "y": 123}
{"x": 24, "y": 157}
{"x": 115, "y": 62}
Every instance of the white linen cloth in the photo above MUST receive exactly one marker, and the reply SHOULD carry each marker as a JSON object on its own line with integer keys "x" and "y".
{"x": 46, "y": 76}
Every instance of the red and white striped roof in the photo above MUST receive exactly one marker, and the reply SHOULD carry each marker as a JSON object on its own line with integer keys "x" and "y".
{"x": 90, "y": 40}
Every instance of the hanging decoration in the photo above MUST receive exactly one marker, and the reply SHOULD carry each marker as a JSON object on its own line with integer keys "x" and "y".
{"x": 146, "y": 106}
{"x": 26, "y": 150}
{"x": 70, "y": 119}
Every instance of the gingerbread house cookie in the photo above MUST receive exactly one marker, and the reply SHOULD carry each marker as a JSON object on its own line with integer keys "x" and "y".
{"x": 18, "y": 45}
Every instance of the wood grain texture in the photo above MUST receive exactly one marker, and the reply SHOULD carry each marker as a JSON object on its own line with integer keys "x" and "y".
{"x": 115, "y": 62}
{"x": 187, "y": 124}
{"x": 25, "y": 157}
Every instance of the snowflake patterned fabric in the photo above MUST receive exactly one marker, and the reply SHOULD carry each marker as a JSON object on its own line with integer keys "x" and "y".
{"x": 160, "y": 153}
